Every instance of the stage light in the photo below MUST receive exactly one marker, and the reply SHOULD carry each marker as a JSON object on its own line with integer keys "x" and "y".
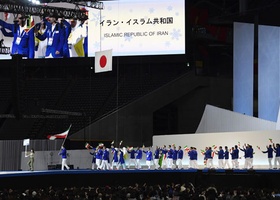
{"x": 94, "y": 4}
{"x": 37, "y": 2}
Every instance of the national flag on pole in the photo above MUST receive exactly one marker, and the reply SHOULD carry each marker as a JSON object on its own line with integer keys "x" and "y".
{"x": 30, "y": 23}
{"x": 103, "y": 61}
{"x": 125, "y": 153}
{"x": 160, "y": 160}
{"x": 79, "y": 48}
{"x": 60, "y": 135}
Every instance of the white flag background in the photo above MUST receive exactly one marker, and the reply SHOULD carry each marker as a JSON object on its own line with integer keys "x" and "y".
{"x": 103, "y": 61}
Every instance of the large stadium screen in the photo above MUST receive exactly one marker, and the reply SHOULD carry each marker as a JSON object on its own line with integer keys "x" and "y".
{"x": 138, "y": 27}
{"x": 128, "y": 27}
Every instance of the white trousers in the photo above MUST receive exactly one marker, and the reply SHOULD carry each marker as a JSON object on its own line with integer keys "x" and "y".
{"x": 123, "y": 165}
{"x": 92, "y": 165}
{"x": 246, "y": 164}
{"x": 250, "y": 163}
{"x": 277, "y": 159}
{"x": 114, "y": 163}
{"x": 226, "y": 164}
{"x": 209, "y": 163}
{"x": 235, "y": 164}
{"x": 149, "y": 164}
{"x": 164, "y": 163}
{"x": 179, "y": 163}
{"x": 133, "y": 161}
{"x": 98, "y": 163}
{"x": 156, "y": 163}
{"x": 138, "y": 165}
{"x": 64, "y": 164}
{"x": 221, "y": 163}
{"x": 105, "y": 165}
{"x": 193, "y": 164}
{"x": 270, "y": 163}
{"x": 169, "y": 163}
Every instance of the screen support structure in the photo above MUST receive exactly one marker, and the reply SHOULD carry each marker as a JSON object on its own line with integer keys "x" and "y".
{"x": 41, "y": 10}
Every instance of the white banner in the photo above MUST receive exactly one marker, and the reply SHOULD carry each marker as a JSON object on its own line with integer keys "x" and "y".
{"x": 138, "y": 27}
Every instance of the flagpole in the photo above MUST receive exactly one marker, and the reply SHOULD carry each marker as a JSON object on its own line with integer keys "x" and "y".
{"x": 64, "y": 140}
{"x": 66, "y": 135}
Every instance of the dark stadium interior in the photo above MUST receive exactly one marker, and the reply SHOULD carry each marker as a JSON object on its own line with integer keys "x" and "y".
{"x": 163, "y": 94}
{"x": 29, "y": 87}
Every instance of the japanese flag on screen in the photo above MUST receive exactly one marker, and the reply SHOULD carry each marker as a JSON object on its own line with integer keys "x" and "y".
{"x": 103, "y": 61}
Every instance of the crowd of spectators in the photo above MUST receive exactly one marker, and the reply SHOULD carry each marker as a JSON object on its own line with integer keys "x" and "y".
{"x": 142, "y": 192}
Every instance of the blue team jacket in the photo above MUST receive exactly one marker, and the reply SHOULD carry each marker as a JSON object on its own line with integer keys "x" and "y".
{"x": 23, "y": 46}
{"x": 57, "y": 36}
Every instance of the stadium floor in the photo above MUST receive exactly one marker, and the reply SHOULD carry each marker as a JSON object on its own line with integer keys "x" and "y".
{"x": 78, "y": 178}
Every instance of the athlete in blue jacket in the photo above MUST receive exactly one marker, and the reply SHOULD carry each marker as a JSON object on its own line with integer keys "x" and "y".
{"x": 269, "y": 151}
{"x": 138, "y": 157}
{"x": 93, "y": 162}
{"x": 149, "y": 157}
{"x": 277, "y": 156}
{"x": 169, "y": 157}
{"x": 132, "y": 153}
{"x": 55, "y": 35}
{"x": 156, "y": 157}
{"x": 209, "y": 158}
{"x": 235, "y": 157}
{"x": 226, "y": 154}
{"x": 98, "y": 156}
{"x": 115, "y": 157}
{"x": 245, "y": 150}
{"x": 121, "y": 158}
{"x": 174, "y": 157}
{"x": 250, "y": 153}
{"x": 105, "y": 159}
{"x": 221, "y": 155}
{"x": 24, "y": 41}
{"x": 180, "y": 157}
{"x": 63, "y": 154}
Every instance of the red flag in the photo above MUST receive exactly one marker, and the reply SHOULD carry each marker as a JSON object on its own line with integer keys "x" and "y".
{"x": 60, "y": 135}
{"x": 87, "y": 146}
{"x": 103, "y": 61}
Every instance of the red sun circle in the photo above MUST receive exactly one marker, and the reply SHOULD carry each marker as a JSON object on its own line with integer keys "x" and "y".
{"x": 103, "y": 61}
